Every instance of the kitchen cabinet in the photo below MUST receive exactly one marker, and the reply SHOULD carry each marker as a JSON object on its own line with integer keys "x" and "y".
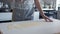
{"x": 5, "y": 16}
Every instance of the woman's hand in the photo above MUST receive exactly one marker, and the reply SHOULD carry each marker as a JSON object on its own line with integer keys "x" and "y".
{"x": 47, "y": 19}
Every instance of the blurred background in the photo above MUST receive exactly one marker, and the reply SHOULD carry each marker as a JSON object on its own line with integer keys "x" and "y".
{"x": 51, "y": 8}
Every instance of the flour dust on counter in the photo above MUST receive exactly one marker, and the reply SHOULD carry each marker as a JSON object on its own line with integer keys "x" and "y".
{"x": 31, "y": 27}
{"x": 24, "y": 25}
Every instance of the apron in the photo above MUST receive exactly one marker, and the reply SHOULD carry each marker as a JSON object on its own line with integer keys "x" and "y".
{"x": 22, "y": 10}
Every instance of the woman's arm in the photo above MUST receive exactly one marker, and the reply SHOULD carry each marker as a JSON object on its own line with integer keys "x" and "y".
{"x": 37, "y": 3}
{"x": 39, "y": 7}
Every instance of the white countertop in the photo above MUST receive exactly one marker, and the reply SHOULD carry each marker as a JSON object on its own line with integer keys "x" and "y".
{"x": 47, "y": 9}
{"x": 31, "y": 27}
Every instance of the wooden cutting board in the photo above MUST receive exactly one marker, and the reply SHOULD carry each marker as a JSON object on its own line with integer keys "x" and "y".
{"x": 31, "y": 27}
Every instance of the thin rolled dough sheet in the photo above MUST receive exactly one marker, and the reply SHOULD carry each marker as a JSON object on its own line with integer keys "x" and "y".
{"x": 24, "y": 24}
{"x": 30, "y": 27}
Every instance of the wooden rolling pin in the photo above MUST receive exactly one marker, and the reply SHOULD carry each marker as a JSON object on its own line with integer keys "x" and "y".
{"x": 57, "y": 33}
{"x": 1, "y": 32}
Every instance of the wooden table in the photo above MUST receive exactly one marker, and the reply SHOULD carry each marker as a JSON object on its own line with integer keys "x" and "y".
{"x": 31, "y": 27}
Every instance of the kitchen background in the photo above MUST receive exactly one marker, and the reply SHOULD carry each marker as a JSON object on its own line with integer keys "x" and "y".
{"x": 50, "y": 7}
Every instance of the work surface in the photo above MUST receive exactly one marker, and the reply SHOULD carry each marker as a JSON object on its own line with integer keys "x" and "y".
{"x": 31, "y": 27}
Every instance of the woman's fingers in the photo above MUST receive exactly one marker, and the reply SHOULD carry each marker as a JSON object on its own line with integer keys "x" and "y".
{"x": 50, "y": 20}
{"x": 46, "y": 20}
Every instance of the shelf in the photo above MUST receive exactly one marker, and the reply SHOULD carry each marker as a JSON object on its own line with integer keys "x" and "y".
{"x": 47, "y": 9}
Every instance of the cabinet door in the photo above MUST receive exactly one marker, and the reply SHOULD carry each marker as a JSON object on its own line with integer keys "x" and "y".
{"x": 58, "y": 14}
{"x": 5, "y": 16}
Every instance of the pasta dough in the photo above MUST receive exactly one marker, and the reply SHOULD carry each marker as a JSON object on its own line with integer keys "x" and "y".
{"x": 22, "y": 25}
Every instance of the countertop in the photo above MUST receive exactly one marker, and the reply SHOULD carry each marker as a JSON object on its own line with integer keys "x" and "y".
{"x": 31, "y": 27}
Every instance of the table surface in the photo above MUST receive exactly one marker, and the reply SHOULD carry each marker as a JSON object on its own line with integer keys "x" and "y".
{"x": 31, "y": 27}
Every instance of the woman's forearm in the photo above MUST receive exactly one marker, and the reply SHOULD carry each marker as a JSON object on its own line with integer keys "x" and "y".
{"x": 39, "y": 7}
